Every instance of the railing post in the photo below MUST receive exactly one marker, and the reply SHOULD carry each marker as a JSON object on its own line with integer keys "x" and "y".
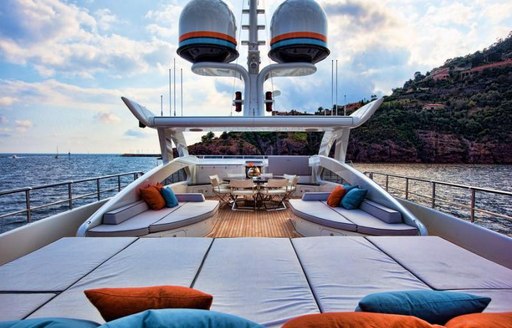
{"x": 70, "y": 195}
{"x": 433, "y": 194}
{"x": 387, "y": 182}
{"x": 119, "y": 183}
{"x": 27, "y": 204}
{"x": 472, "y": 208}
{"x": 406, "y": 188}
{"x": 98, "y": 188}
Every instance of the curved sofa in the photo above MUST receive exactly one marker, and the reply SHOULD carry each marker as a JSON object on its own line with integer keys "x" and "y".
{"x": 136, "y": 219}
{"x": 312, "y": 215}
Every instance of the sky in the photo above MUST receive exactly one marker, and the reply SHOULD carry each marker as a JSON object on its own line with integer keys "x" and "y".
{"x": 65, "y": 64}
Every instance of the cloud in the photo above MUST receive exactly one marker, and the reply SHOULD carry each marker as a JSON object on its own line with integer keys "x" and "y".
{"x": 3, "y": 120}
{"x": 133, "y": 133}
{"x": 108, "y": 118}
{"x": 23, "y": 125}
{"x": 7, "y": 101}
{"x": 56, "y": 37}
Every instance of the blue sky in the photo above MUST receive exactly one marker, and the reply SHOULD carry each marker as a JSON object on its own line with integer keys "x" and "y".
{"x": 65, "y": 64}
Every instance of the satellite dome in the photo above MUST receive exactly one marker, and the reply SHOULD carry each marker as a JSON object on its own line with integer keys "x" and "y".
{"x": 299, "y": 32}
{"x": 207, "y": 32}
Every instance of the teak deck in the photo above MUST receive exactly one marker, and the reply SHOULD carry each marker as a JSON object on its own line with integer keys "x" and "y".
{"x": 253, "y": 224}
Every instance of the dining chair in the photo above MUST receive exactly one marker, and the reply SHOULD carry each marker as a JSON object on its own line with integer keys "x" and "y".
{"x": 221, "y": 190}
{"x": 274, "y": 192}
{"x": 243, "y": 190}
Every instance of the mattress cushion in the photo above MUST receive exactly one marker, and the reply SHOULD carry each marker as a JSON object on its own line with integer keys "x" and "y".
{"x": 342, "y": 270}
{"x": 147, "y": 262}
{"x": 58, "y": 265}
{"x": 259, "y": 279}
{"x": 443, "y": 265}
{"x": 21, "y": 305}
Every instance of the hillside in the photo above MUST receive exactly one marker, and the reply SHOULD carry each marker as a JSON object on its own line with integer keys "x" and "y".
{"x": 460, "y": 112}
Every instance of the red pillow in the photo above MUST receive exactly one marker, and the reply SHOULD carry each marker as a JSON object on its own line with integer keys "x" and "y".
{"x": 114, "y": 303}
{"x": 152, "y": 196}
{"x": 357, "y": 320}
{"x": 481, "y": 320}
{"x": 335, "y": 196}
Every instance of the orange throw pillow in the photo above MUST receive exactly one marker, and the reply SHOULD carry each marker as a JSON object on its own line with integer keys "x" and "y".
{"x": 152, "y": 196}
{"x": 335, "y": 196}
{"x": 357, "y": 320}
{"x": 114, "y": 303}
{"x": 482, "y": 320}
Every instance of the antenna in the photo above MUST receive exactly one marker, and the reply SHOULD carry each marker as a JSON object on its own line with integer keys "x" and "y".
{"x": 181, "y": 98}
{"x": 174, "y": 84}
{"x": 336, "y": 87}
{"x": 161, "y": 105}
{"x": 170, "y": 94}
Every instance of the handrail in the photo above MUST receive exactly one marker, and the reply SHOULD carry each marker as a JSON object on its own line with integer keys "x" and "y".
{"x": 70, "y": 196}
{"x": 435, "y": 199}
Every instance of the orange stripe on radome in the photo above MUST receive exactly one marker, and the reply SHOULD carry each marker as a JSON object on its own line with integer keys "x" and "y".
{"x": 293, "y": 35}
{"x": 207, "y": 34}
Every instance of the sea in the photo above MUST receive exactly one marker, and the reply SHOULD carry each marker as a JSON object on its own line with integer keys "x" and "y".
{"x": 19, "y": 171}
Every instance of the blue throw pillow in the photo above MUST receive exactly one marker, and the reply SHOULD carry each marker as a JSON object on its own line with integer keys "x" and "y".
{"x": 348, "y": 186}
{"x": 181, "y": 318}
{"x": 49, "y": 322}
{"x": 169, "y": 196}
{"x": 436, "y": 307}
{"x": 353, "y": 198}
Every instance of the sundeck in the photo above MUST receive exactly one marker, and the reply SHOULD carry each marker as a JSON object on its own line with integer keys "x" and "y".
{"x": 326, "y": 258}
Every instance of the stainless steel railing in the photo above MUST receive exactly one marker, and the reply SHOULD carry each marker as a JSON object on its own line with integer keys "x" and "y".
{"x": 467, "y": 194}
{"x": 70, "y": 196}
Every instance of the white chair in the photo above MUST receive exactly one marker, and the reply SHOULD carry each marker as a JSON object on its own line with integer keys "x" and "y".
{"x": 292, "y": 184}
{"x": 221, "y": 190}
{"x": 274, "y": 192}
{"x": 243, "y": 190}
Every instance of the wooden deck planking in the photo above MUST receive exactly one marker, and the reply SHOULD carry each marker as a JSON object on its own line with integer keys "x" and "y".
{"x": 258, "y": 223}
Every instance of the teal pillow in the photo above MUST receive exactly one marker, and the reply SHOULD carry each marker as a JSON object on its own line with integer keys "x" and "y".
{"x": 436, "y": 307}
{"x": 169, "y": 196}
{"x": 348, "y": 186}
{"x": 49, "y": 322}
{"x": 181, "y": 318}
{"x": 353, "y": 198}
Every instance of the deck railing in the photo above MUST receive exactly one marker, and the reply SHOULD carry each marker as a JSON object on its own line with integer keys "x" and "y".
{"x": 69, "y": 195}
{"x": 462, "y": 196}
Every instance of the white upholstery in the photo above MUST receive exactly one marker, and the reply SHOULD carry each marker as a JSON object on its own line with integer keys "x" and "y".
{"x": 381, "y": 212}
{"x": 342, "y": 270}
{"x": 318, "y": 212}
{"x": 433, "y": 259}
{"x": 148, "y": 262}
{"x": 370, "y": 225}
{"x": 135, "y": 226}
{"x": 268, "y": 280}
{"x": 257, "y": 278}
{"x": 57, "y": 266}
{"x": 124, "y": 213}
{"x": 21, "y": 305}
{"x": 187, "y": 214}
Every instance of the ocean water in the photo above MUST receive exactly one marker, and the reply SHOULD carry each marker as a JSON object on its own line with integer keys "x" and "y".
{"x": 29, "y": 170}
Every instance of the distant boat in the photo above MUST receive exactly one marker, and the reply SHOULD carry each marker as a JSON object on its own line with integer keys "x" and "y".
{"x": 57, "y": 154}
{"x": 14, "y": 157}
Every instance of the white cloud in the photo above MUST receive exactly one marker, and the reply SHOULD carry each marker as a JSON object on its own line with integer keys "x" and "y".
{"x": 108, "y": 118}
{"x": 23, "y": 125}
{"x": 57, "y": 37}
